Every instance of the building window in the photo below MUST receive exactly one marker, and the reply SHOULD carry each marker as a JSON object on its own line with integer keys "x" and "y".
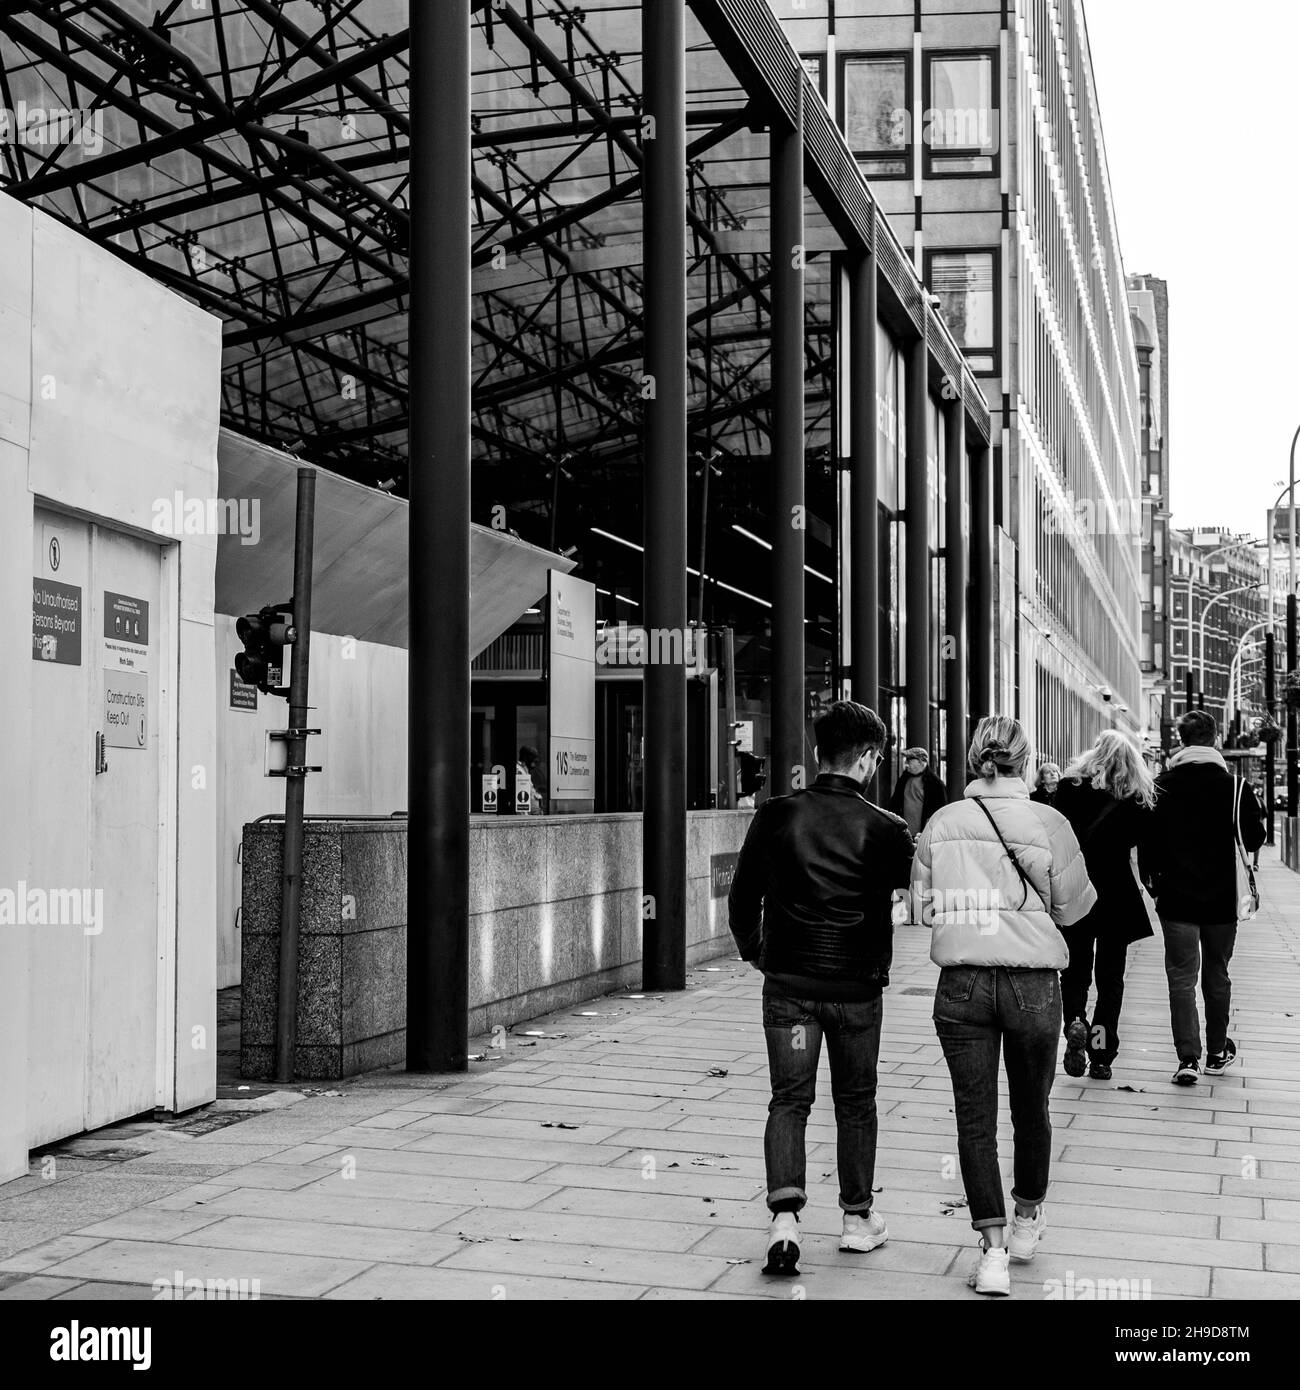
{"x": 966, "y": 283}
{"x": 876, "y": 113}
{"x": 960, "y": 118}
{"x": 815, "y": 67}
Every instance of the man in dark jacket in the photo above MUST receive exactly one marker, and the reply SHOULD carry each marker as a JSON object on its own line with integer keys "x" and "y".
{"x": 810, "y": 904}
{"x": 1189, "y": 860}
{"x": 918, "y": 793}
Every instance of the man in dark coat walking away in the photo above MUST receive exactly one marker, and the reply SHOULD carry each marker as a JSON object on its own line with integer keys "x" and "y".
{"x": 1189, "y": 859}
{"x": 1107, "y": 795}
{"x": 918, "y": 793}
{"x": 810, "y": 905}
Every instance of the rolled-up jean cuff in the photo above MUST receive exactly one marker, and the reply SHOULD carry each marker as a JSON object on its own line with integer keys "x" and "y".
{"x": 856, "y": 1208}
{"x": 1028, "y": 1201}
{"x": 786, "y": 1194}
{"x": 989, "y": 1221}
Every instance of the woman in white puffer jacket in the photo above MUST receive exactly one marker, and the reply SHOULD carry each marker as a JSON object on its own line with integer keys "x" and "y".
{"x": 995, "y": 875}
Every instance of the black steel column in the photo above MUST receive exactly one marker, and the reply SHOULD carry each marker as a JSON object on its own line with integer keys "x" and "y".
{"x": 955, "y": 575}
{"x": 787, "y": 461}
{"x": 664, "y": 235}
{"x": 1270, "y": 704}
{"x": 916, "y": 569}
{"x": 864, "y": 501}
{"x": 437, "y": 932}
{"x": 982, "y": 556}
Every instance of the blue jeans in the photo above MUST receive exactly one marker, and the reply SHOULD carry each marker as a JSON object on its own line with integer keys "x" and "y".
{"x": 979, "y": 1011}
{"x": 1190, "y": 950}
{"x": 794, "y": 1029}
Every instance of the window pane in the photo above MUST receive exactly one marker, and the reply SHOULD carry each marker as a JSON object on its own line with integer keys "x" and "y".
{"x": 875, "y": 112}
{"x": 963, "y": 280}
{"x": 960, "y": 117}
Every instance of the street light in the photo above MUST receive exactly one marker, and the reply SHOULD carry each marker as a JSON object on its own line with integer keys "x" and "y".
{"x": 1234, "y": 700}
{"x": 1227, "y": 593}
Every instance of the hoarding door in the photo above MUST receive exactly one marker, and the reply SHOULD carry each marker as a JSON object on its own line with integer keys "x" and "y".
{"x": 126, "y": 828}
{"x": 99, "y": 817}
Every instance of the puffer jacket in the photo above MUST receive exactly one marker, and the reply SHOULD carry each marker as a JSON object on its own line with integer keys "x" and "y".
{"x": 965, "y": 886}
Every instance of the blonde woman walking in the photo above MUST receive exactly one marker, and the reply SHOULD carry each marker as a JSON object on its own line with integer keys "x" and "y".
{"x": 1107, "y": 794}
{"x": 997, "y": 874}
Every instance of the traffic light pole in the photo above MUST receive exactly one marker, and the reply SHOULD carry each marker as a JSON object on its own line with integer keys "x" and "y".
{"x": 295, "y": 789}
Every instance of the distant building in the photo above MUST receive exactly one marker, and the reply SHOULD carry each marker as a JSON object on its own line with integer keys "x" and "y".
{"x": 1222, "y": 579}
{"x": 978, "y": 128}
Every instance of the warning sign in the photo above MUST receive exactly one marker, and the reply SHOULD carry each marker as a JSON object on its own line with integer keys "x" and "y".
{"x": 56, "y": 622}
{"x": 126, "y": 619}
{"x": 242, "y": 696}
{"x": 126, "y": 709}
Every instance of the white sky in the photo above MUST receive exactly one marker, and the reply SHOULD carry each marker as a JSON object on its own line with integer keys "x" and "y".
{"x": 1199, "y": 112}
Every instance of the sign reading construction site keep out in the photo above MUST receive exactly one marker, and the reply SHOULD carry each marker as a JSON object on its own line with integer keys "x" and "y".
{"x": 126, "y": 709}
{"x": 571, "y": 610}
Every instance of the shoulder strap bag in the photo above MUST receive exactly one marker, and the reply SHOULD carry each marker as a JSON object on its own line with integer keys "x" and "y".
{"x": 1247, "y": 891}
{"x": 1011, "y": 854}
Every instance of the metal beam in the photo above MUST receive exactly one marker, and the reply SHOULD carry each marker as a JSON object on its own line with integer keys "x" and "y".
{"x": 955, "y": 577}
{"x": 983, "y": 542}
{"x": 864, "y": 513}
{"x": 664, "y": 297}
{"x": 437, "y": 978}
{"x": 789, "y": 764}
{"x": 916, "y": 596}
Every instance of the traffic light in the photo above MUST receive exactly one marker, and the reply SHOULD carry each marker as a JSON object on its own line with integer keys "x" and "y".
{"x": 265, "y": 636}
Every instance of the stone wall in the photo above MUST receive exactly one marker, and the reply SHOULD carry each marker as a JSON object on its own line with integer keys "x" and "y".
{"x": 555, "y": 906}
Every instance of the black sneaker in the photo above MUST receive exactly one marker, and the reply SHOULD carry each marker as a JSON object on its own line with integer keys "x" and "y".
{"x": 1099, "y": 1071}
{"x": 1076, "y": 1045}
{"x": 1188, "y": 1073}
{"x": 1219, "y": 1062}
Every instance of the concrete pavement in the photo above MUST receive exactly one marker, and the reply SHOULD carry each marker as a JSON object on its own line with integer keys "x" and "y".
{"x": 616, "y": 1153}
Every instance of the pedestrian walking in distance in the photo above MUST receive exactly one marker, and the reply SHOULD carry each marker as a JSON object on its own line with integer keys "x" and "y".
{"x": 810, "y": 904}
{"x": 1107, "y": 795}
{"x": 1189, "y": 860}
{"x": 1046, "y": 783}
{"x": 918, "y": 793}
{"x": 996, "y": 875}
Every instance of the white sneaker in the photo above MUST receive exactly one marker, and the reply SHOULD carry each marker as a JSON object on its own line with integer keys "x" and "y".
{"x": 783, "y": 1245}
{"x": 993, "y": 1273}
{"x": 863, "y": 1233}
{"x": 1025, "y": 1233}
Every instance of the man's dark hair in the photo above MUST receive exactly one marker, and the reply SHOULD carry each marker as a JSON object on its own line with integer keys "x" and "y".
{"x": 845, "y": 732}
{"x": 528, "y": 755}
{"x": 1197, "y": 727}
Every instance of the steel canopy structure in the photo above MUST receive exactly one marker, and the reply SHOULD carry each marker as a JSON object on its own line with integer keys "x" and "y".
{"x": 254, "y": 156}
{"x": 258, "y": 157}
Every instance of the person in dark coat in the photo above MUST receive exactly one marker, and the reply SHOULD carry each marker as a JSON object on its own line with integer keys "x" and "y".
{"x": 918, "y": 793}
{"x": 1107, "y": 794}
{"x": 1045, "y": 784}
{"x": 1189, "y": 858}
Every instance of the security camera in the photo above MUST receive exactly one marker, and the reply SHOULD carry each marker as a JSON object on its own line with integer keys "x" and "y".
{"x": 1106, "y": 693}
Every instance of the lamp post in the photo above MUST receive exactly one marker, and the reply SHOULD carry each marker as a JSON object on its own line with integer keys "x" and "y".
{"x": 1217, "y": 598}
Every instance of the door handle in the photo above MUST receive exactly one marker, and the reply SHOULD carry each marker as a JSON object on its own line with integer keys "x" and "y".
{"x": 101, "y": 754}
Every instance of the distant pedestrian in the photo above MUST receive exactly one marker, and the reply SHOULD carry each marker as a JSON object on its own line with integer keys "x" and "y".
{"x": 1107, "y": 795}
{"x": 1046, "y": 784}
{"x": 997, "y": 875}
{"x": 918, "y": 793}
{"x": 1189, "y": 858}
{"x": 810, "y": 905}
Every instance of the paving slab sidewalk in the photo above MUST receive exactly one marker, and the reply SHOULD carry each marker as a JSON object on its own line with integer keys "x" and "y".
{"x": 617, "y": 1153}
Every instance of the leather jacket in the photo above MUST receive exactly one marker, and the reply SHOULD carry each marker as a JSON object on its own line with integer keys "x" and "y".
{"x": 810, "y": 902}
